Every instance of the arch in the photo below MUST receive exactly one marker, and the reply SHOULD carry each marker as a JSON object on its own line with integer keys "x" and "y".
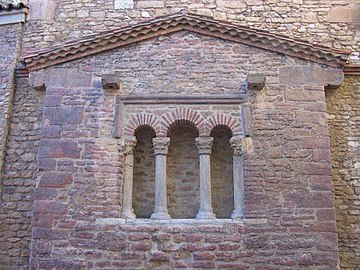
{"x": 182, "y": 116}
{"x": 225, "y": 121}
{"x": 141, "y": 121}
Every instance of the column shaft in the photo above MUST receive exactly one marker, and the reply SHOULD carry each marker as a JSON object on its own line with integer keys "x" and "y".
{"x": 160, "y": 151}
{"x": 204, "y": 145}
{"x": 128, "y": 148}
{"x": 238, "y": 178}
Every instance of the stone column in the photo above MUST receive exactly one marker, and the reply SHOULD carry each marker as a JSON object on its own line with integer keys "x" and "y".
{"x": 204, "y": 145}
{"x": 238, "y": 177}
{"x": 160, "y": 150}
{"x": 128, "y": 151}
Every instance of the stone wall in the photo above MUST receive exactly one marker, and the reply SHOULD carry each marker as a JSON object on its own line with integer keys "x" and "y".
{"x": 19, "y": 177}
{"x": 183, "y": 174}
{"x": 144, "y": 174}
{"x": 344, "y": 121}
{"x": 332, "y": 23}
{"x": 222, "y": 174}
{"x": 290, "y": 214}
{"x": 10, "y": 42}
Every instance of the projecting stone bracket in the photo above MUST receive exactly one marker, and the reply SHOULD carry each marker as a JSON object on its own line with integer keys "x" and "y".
{"x": 255, "y": 81}
{"x": 110, "y": 81}
{"x": 37, "y": 80}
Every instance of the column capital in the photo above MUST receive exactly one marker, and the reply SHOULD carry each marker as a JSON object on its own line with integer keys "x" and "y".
{"x": 161, "y": 145}
{"x": 236, "y": 144}
{"x": 204, "y": 144}
{"x": 128, "y": 144}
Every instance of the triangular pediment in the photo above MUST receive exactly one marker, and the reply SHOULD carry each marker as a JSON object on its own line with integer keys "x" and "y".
{"x": 188, "y": 22}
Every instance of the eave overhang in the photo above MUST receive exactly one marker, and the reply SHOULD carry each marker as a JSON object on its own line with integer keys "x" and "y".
{"x": 178, "y": 22}
{"x": 11, "y": 13}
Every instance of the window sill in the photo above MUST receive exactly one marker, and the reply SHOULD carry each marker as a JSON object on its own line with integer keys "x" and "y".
{"x": 146, "y": 221}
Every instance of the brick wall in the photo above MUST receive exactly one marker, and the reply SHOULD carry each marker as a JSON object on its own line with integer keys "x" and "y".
{"x": 290, "y": 215}
{"x": 343, "y": 107}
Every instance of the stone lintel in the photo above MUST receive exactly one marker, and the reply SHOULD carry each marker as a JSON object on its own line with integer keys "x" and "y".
{"x": 110, "y": 81}
{"x": 37, "y": 80}
{"x": 255, "y": 81}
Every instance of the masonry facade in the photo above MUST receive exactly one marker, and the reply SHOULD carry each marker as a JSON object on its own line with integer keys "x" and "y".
{"x": 186, "y": 140}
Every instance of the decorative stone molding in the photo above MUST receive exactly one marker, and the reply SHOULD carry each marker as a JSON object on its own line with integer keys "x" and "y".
{"x": 190, "y": 22}
{"x": 162, "y": 124}
{"x": 255, "y": 81}
{"x": 11, "y": 13}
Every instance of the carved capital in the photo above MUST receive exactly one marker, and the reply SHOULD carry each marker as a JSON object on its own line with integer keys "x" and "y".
{"x": 204, "y": 144}
{"x": 161, "y": 145}
{"x": 128, "y": 145}
{"x": 236, "y": 144}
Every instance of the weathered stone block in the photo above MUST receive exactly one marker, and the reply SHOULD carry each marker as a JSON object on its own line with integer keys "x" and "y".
{"x": 110, "y": 81}
{"x": 55, "y": 179}
{"x": 37, "y": 80}
{"x": 49, "y": 207}
{"x": 64, "y": 115}
{"x": 55, "y": 77}
{"x": 58, "y": 149}
{"x": 309, "y": 75}
{"x": 122, "y": 4}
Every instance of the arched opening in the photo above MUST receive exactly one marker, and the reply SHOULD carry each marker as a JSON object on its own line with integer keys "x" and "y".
{"x": 183, "y": 170}
{"x": 222, "y": 187}
{"x": 144, "y": 173}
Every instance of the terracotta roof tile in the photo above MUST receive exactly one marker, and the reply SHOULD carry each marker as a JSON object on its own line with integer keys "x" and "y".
{"x": 11, "y": 6}
{"x": 182, "y": 21}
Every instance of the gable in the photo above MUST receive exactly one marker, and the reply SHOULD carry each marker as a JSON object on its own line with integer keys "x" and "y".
{"x": 182, "y": 21}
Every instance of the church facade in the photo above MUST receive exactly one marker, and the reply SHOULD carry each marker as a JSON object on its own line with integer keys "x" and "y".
{"x": 180, "y": 135}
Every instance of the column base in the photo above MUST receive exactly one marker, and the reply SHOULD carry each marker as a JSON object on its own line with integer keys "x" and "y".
{"x": 238, "y": 214}
{"x": 160, "y": 215}
{"x": 205, "y": 215}
{"x": 129, "y": 214}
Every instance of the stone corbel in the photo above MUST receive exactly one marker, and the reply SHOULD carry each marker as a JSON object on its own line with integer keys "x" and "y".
{"x": 37, "y": 80}
{"x": 256, "y": 81}
{"x": 110, "y": 81}
{"x": 333, "y": 78}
